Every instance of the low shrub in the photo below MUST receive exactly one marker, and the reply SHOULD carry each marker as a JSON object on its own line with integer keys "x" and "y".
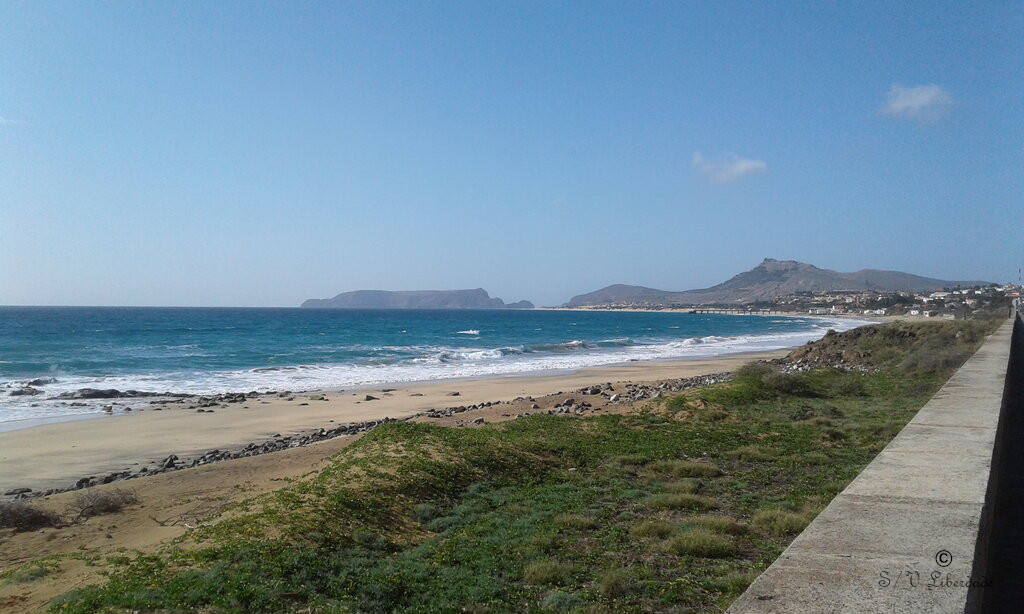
{"x": 792, "y": 384}
{"x": 91, "y": 502}
{"x": 754, "y": 369}
{"x": 424, "y": 512}
{"x": 22, "y": 516}
{"x": 852, "y": 385}
{"x": 739, "y": 392}
{"x": 442, "y": 524}
{"x": 29, "y": 573}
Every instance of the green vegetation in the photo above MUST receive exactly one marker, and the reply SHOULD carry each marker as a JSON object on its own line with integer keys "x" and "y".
{"x": 676, "y": 507}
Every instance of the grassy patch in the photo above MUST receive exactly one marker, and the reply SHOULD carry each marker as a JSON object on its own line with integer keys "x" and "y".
{"x": 699, "y": 542}
{"x": 615, "y": 583}
{"x": 687, "y": 486}
{"x": 574, "y": 522}
{"x": 734, "y": 583}
{"x": 751, "y": 453}
{"x": 651, "y": 528}
{"x": 781, "y": 523}
{"x": 680, "y": 501}
{"x": 754, "y": 369}
{"x": 683, "y": 469}
{"x": 717, "y": 524}
{"x": 546, "y": 573}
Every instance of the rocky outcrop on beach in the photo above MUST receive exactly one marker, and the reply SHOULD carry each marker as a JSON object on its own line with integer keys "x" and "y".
{"x": 415, "y": 299}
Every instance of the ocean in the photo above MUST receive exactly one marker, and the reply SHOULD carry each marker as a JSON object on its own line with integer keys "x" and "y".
{"x": 215, "y": 350}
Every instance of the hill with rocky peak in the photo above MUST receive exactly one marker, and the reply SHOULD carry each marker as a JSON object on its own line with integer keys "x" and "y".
{"x": 769, "y": 280}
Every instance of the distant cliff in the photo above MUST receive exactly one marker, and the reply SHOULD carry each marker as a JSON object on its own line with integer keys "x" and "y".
{"x": 415, "y": 299}
{"x": 768, "y": 280}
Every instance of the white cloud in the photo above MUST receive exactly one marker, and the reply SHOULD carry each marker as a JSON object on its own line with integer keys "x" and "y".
{"x": 921, "y": 102}
{"x": 728, "y": 168}
{"x": 8, "y": 122}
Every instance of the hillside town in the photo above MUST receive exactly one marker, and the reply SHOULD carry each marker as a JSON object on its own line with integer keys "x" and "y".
{"x": 948, "y": 303}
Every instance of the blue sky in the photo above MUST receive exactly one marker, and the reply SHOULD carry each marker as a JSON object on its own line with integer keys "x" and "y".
{"x": 169, "y": 153}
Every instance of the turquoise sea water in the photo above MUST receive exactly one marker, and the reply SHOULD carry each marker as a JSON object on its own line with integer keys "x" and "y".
{"x": 220, "y": 350}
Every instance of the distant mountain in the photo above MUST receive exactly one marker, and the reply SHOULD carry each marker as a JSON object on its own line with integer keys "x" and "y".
{"x": 768, "y": 280}
{"x": 415, "y": 299}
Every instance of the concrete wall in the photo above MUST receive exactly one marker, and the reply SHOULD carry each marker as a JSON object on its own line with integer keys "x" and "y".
{"x": 902, "y": 537}
{"x": 999, "y": 556}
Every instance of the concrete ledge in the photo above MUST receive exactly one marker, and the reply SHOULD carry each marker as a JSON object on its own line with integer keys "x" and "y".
{"x": 876, "y": 547}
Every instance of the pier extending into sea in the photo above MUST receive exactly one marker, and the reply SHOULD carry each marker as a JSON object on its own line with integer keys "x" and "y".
{"x": 932, "y": 525}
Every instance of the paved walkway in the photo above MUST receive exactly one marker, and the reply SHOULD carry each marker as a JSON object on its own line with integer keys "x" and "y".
{"x": 901, "y": 537}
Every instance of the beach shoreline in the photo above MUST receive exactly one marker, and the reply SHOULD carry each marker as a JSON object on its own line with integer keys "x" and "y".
{"x": 56, "y": 456}
{"x": 66, "y": 401}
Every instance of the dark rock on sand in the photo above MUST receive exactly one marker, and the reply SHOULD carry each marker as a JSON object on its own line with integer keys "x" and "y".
{"x": 113, "y": 393}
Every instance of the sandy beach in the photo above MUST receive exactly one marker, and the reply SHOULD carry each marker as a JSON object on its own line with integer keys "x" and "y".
{"x": 57, "y": 455}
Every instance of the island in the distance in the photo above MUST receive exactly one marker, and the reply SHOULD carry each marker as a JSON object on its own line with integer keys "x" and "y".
{"x": 415, "y": 299}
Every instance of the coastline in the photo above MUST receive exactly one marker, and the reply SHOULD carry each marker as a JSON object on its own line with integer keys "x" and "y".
{"x": 62, "y": 403}
{"x": 57, "y": 455}
{"x": 874, "y": 319}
